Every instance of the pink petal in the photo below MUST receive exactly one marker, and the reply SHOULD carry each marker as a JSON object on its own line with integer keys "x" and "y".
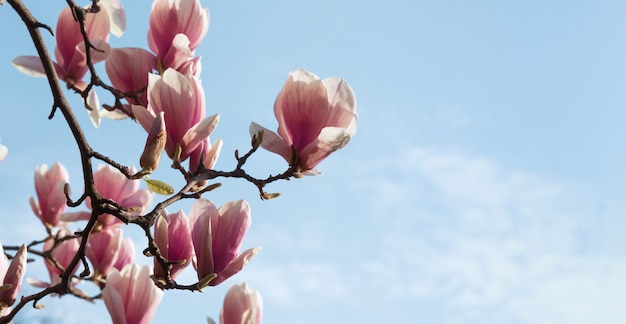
{"x": 113, "y": 301}
{"x": 94, "y": 104}
{"x": 178, "y": 53}
{"x": 143, "y": 116}
{"x": 197, "y": 134}
{"x": 271, "y": 141}
{"x": 200, "y": 220}
{"x": 235, "y": 266}
{"x": 229, "y": 230}
{"x": 117, "y": 16}
{"x": 301, "y": 109}
{"x": 343, "y": 105}
{"x": 29, "y": 65}
{"x": 330, "y": 140}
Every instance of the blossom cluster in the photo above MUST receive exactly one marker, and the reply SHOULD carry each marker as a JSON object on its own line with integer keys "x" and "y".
{"x": 160, "y": 89}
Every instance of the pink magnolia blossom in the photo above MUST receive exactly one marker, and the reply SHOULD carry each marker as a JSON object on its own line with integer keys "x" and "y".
{"x": 130, "y": 296}
{"x": 181, "y": 98}
{"x": 176, "y": 29}
{"x": 128, "y": 69}
{"x": 172, "y": 234}
{"x": 103, "y": 249}
{"x": 63, "y": 254}
{"x": 217, "y": 236}
{"x": 242, "y": 305}
{"x": 113, "y": 185}
{"x": 11, "y": 276}
{"x": 4, "y": 151}
{"x": 315, "y": 117}
{"x": 51, "y": 201}
{"x": 70, "y": 52}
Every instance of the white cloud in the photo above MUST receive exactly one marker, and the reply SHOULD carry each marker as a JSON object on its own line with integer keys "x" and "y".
{"x": 491, "y": 245}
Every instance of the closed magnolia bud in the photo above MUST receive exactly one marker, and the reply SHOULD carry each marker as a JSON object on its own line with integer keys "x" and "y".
{"x": 155, "y": 144}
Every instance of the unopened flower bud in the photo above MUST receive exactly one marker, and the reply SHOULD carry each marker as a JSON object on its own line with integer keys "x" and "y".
{"x": 155, "y": 144}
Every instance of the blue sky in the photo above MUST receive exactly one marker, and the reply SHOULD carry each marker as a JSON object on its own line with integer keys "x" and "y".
{"x": 484, "y": 185}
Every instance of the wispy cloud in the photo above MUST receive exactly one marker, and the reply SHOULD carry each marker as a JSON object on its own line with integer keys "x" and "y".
{"x": 487, "y": 243}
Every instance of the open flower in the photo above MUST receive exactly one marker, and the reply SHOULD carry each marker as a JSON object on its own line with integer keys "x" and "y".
{"x": 315, "y": 118}
{"x": 130, "y": 296}
{"x": 181, "y": 98}
{"x": 103, "y": 249}
{"x": 51, "y": 201}
{"x": 70, "y": 52}
{"x": 176, "y": 29}
{"x": 217, "y": 236}
{"x": 113, "y": 185}
{"x": 63, "y": 254}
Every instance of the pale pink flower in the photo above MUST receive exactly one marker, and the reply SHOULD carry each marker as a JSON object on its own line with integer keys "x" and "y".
{"x": 4, "y": 151}
{"x": 181, "y": 98}
{"x": 130, "y": 296}
{"x": 128, "y": 70}
{"x": 172, "y": 234}
{"x": 114, "y": 185}
{"x": 217, "y": 237}
{"x": 63, "y": 254}
{"x": 176, "y": 29}
{"x": 70, "y": 52}
{"x": 51, "y": 201}
{"x": 11, "y": 275}
{"x": 126, "y": 254}
{"x": 315, "y": 117}
{"x": 242, "y": 305}
{"x": 103, "y": 249}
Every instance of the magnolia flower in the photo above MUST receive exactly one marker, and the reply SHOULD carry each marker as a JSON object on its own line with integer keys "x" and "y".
{"x": 11, "y": 276}
{"x": 103, "y": 249}
{"x": 70, "y": 52}
{"x": 217, "y": 236}
{"x": 128, "y": 69}
{"x": 181, "y": 98}
{"x": 114, "y": 185}
{"x": 242, "y": 305}
{"x": 63, "y": 254}
{"x": 3, "y": 152}
{"x": 131, "y": 296}
{"x": 176, "y": 29}
{"x": 172, "y": 234}
{"x": 315, "y": 118}
{"x": 51, "y": 201}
